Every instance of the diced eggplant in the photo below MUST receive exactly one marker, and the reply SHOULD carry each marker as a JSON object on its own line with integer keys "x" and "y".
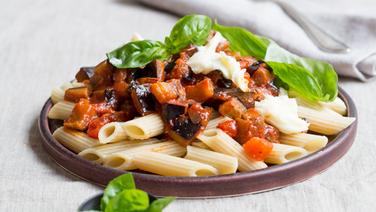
{"x": 75, "y": 94}
{"x": 232, "y": 108}
{"x": 85, "y": 73}
{"x": 166, "y": 91}
{"x": 183, "y": 130}
{"x": 102, "y": 77}
{"x": 181, "y": 69}
{"x": 200, "y": 92}
{"x": 173, "y": 109}
{"x": 142, "y": 98}
{"x": 83, "y": 112}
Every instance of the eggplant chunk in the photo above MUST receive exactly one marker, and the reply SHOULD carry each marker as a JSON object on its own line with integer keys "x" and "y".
{"x": 85, "y": 73}
{"x": 75, "y": 94}
{"x": 142, "y": 99}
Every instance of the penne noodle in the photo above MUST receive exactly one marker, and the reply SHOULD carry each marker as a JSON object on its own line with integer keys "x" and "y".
{"x": 111, "y": 132}
{"x": 74, "y": 140}
{"x": 167, "y": 165}
{"x": 325, "y": 121}
{"x": 199, "y": 144}
{"x": 124, "y": 160}
{"x": 219, "y": 141}
{"x": 282, "y": 153}
{"x": 214, "y": 122}
{"x": 144, "y": 127}
{"x": 98, "y": 153}
{"x": 61, "y": 110}
{"x": 309, "y": 142}
{"x": 225, "y": 164}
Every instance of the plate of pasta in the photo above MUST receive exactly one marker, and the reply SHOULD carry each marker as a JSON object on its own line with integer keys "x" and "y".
{"x": 211, "y": 111}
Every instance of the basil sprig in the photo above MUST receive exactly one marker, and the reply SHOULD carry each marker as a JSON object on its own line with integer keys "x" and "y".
{"x": 121, "y": 195}
{"x": 191, "y": 29}
{"x": 312, "y": 79}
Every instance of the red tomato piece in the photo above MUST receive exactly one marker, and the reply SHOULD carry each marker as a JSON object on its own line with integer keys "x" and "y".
{"x": 258, "y": 148}
{"x": 229, "y": 127}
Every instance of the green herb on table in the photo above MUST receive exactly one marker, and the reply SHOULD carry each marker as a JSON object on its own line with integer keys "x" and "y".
{"x": 121, "y": 195}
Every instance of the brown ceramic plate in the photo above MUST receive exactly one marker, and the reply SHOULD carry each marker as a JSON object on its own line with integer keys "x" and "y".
{"x": 217, "y": 186}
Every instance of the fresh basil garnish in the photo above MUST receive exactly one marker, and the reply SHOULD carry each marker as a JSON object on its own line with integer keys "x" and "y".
{"x": 128, "y": 200}
{"x": 243, "y": 41}
{"x": 311, "y": 79}
{"x": 159, "y": 204}
{"x": 137, "y": 53}
{"x": 191, "y": 29}
{"x": 115, "y": 186}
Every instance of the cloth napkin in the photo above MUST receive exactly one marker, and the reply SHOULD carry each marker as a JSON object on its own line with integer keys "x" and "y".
{"x": 353, "y": 22}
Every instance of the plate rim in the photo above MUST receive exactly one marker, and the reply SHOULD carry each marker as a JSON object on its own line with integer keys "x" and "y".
{"x": 59, "y": 154}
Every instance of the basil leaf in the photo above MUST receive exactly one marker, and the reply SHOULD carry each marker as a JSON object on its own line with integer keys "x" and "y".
{"x": 311, "y": 79}
{"x": 325, "y": 86}
{"x": 243, "y": 41}
{"x": 191, "y": 29}
{"x": 159, "y": 204}
{"x": 128, "y": 200}
{"x": 115, "y": 186}
{"x": 137, "y": 53}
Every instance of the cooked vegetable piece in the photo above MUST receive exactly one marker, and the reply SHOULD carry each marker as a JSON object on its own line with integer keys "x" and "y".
{"x": 103, "y": 108}
{"x": 120, "y": 85}
{"x": 83, "y": 112}
{"x": 258, "y": 148}
{"x": 232, "y": 108}
{"x": 184, "y": 124}
{"x": 142, "y": 99}
{"x": 200, "y": 92}
{"x": 165, "y": 91}
{"x": 181, "y": 69}
{"x": 97, "y": 123}
{"x": 85, "y": 73}
{"x": 262, "y": 76}
{"x": 75, "y": 94}
{"x": 246, "y": 62}
{"x": 271, "y": 133}
{"x": 229, "y": 127}
{"x": 102, "y": 75}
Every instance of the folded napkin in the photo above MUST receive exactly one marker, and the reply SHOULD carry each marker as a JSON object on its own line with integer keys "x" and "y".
{"x": 353, "y": 22}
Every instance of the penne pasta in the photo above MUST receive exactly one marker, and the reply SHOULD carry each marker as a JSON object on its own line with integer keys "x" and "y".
{"x": 111, "y": 132}
{"x": 61, "y": 110}
{"x": 144, "y": 127}
{"x": 199, "y": 144}
{"x": 309, "y": 142}
{"x": 282, "y": 153}
{"x": 225, "y": 164}
{"x": 324, "y": 121}
{"x": 98, "y": 153}
{"x": 168, "y": 165}
{"x": 219, "y": 141}
{"x": 214, "y": 122}
{"x": 124, "y": 160}
{"x": 74, "y": 140}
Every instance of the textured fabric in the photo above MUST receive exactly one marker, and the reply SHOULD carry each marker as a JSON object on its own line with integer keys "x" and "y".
{"x": 42, "y": 45}
{"x": 353, "y": 24}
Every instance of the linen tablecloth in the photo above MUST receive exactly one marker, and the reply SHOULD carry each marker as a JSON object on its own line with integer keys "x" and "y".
{"x": 42, "y": 45}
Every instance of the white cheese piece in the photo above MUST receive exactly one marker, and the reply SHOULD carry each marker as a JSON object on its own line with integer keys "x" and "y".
{"x": 282, "y": 112}
{"x": 206, "y": 59}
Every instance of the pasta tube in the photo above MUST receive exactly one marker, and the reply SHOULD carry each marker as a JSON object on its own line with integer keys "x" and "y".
{"x": 74, "y": 140}
{"x": 144, "y": 127}
{"x": 124, "y": 160}
{"x": 167, "y": 165}
{"x": 219, "y": 141}
{"x": 325, "y": 121}
{"x": 98, "y": 153}
{"x": 61, "y": 110}
{"x": 111, "y": 132}
{"x": 309, "y": 142}
{"x": 282, "y": 153}
{"x": 225, "y": 164}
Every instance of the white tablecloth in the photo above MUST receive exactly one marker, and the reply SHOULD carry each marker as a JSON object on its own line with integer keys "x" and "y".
{"x": 42, "y": 45}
